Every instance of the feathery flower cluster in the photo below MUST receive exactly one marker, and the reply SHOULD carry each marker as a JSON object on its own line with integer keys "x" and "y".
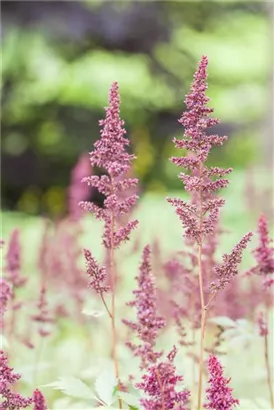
{"x": 78, "y": 192}
{"x": 148, "y": 322}
{"x": 160, "y": 384}
{"x": 229, "y": 268}
{"x": 197, "y": 221}
{"x": 96, "y": 273}
{"x": 218, "y": 394}
{"x": 43, "y": 316}
{"x": 9, "y": 399}
{"x": 13, "y": 261}
{"x": 263, "y": 328}
{"x": 111, "y": 155}
{"x": 5, "y": 295}
{"x": 264, "y": 254}
{"x": 39, "y": 400}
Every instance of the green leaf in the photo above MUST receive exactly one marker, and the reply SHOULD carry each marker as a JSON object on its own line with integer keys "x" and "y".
{"x": 105, "y": 385}
{"x": 223, "y": 321}
{"x": 71, "y": 386}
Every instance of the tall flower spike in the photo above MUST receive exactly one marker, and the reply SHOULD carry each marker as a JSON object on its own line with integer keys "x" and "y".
{"x": 148, "y": 322}
{"x": 13, "y": 261}
{"x": 9, "y": 399}
{"x": 264, "y": 253}
{"x": 219, "y": 395}
{"x": 202, "y": 181}
{"x": 5, "y": 296}
{"x": 110, "y": 154}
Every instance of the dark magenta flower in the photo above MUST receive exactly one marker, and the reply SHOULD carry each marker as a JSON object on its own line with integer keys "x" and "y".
{"x": 5, "y": 295}
{"x": 13, "y": 261}
{"x": 202, "y": 181}
{"x": 10, "y": 400}
{"x": 229, "y": 268}
{"x": 264, "y": 254}
{"x": 96, "y": 273}
{"x": 219, "y": 395}
{"x": 148, "y": 322}
{"x": 111, "y": 155}
{"x": 160, "y": 385}
{"x": 39, "y": 400}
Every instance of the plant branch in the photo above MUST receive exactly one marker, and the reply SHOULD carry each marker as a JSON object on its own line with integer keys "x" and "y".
{"x": 267, "y": 363}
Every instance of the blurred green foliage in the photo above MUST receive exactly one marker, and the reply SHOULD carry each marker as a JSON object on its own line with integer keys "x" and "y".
{"x": 57, "y": 67}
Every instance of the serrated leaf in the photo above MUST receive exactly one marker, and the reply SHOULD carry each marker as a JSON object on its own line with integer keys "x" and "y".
{"x": 223, "y": 321}
{"x": 129, "y": 399}
{"x": 73, "y": 387}
{"x": 105, "y": 385}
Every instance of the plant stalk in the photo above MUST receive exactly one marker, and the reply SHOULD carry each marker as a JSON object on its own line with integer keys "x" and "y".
{"x": 202, "y": 298}
{"x": 162, "y": 389}
{"x": 267, "y": 364}
{"x": 112, "y": 314}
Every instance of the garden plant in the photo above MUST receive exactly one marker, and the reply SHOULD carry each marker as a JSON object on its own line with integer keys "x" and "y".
{"x": 161, "y": 345}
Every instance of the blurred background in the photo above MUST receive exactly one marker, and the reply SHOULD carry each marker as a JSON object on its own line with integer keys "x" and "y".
{"x": 59, "y": 59}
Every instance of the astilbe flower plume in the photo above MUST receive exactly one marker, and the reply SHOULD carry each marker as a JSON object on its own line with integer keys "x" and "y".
{"x": 200, "y": 216}
{"x": 160, "y": 385}
{"x": 96, "y": 273}
{"x": 76, "y": 191}
{"x": 198, "y": 144}
{"x": 148, "y": 322}
{"x": 110, "y": 154}
{"x": 39, "y": 400}
{"x": 229, "y": 268}
{"x": 262, "y": 325}
{"x": 13, "y": 261}
{"x": 264, "y": 253}
{"x": 219, "y": 395}
{"x": 5, "y": 295}
{"x": 43, "y": 316}
{"x": 9, "y": 399}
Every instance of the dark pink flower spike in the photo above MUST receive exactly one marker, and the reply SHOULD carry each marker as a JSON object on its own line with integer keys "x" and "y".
{"x": 160, "y": 385}
{"x": 195, "y": 120}
{"x": 148, "y": 323}
{"x": 111, "y": 155}
{"x": 39, "y": 400}
{"x": 264, "y": 253}
{"x": 229, "y": 268}
{"x": 218, "y": 395}
{"x": 96, "y": 273}
{"x": 5, "y": 295}
{"x": 9, "y": 399}
{"x": 263, "y": 327}
{"x": 13, "y": 261}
